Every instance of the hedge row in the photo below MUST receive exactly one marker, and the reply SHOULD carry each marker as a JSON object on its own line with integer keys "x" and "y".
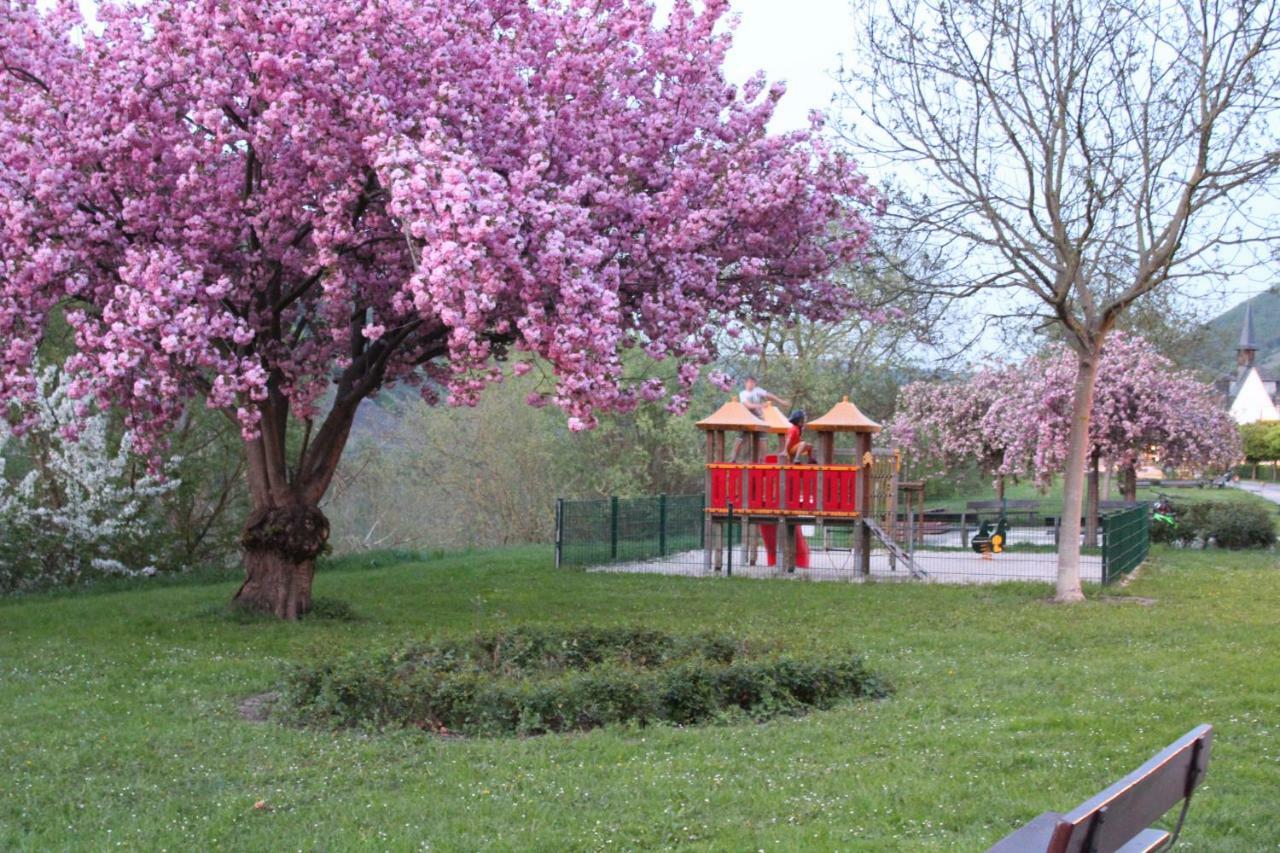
{"x": 538, "y": 681}
{"x": 1227, "y": 524}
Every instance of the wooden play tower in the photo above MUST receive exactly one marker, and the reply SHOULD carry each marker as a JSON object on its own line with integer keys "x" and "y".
{"x": 769, "y": 493}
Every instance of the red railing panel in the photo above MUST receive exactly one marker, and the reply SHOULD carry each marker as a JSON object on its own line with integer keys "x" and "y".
{"x": 802, "y": 489}
{"x": 840, "y": 490}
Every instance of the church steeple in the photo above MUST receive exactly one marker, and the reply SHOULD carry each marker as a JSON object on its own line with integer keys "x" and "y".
{"x": 1247, "y": 348}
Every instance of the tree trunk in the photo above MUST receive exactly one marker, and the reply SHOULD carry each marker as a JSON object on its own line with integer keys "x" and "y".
{"x": 1068, "y": 586}
{"x": 280, "y": 549}
{"x": 1091, "y": 504}
{"x": 1000, "y": 487}
{"x": 1129, "y": 484}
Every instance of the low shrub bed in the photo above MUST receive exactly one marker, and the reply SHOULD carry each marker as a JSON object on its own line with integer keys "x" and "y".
{"x": 534, "y": 681}
{"x": 1227, "y": 524}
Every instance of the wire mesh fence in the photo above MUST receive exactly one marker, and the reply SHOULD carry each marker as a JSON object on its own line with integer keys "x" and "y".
{"x": 624, "y": 530}
{"x": 1126, "y": 539}
{"x": 987, "y": 542}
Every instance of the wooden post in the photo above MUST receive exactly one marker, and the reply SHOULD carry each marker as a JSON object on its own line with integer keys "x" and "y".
{"x": 708, "y": 533}
{"x": 864, "y": 504}
{"x": 819, "y": 524}
{"x": 786, "y": 544}
{"x": 751, "y": 537}
{"x": 722, "y": 454}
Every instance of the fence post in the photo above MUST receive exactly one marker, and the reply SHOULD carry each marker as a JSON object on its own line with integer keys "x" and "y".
{"x": 702, "y": 528}
{"x": 559, "y": 530}
{"x": 1106, "y": 550}
{"x": 728, "y": 569}
{"x": 613, "y": 527}
{"x": 964, "y": 529}
{"x": 662, "y": 525}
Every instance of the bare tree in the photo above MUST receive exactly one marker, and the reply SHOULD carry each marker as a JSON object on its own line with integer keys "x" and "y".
{"x": 1078, "y": 154}
{"x": 813, "y": 362}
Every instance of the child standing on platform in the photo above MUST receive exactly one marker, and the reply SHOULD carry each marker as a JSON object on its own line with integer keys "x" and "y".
{"x": 753, "y": 397}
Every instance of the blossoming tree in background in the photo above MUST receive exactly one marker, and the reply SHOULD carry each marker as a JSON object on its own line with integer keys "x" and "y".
{"x": 945, "y": 422}
{"x": 286, "y": 207}
{"x": 1016, "y": 420}
{"x": 1143, "y": 406}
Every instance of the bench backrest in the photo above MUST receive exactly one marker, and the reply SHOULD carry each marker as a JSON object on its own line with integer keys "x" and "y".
{"x": 1123, "y": 812}
{"x": 984, "y": 505}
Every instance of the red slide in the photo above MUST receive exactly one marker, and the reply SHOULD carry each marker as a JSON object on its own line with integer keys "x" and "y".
{"x": 770, "y": 534}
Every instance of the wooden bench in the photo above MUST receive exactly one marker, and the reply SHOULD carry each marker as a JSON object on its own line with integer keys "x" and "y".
{"x": 1159, "y": 483}
{"x": 993, "y": 506}
{"x": 1119, "y": 819}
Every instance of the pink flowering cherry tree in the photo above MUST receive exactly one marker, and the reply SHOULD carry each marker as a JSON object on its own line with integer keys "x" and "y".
{"x": 1142, "y": 404}
{"x": 282, "y": 208}
{"x": 945, "y": 422}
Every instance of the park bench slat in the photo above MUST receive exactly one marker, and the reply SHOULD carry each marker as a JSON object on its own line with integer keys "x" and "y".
{"x": 1039, "y": 834}
{"x": 1119, "y": 818}
{"x": 980, "y": 505}
{"x": 1147, "y": 841}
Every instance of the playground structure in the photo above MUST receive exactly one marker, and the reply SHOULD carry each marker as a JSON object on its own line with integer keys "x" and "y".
{"x": 846, "y": 517}
{"x": 852, "y": 490}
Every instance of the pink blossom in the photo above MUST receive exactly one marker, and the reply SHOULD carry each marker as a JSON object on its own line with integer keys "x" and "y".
{"x": 1016, "y": 420}
{"x": 255, "y": 202}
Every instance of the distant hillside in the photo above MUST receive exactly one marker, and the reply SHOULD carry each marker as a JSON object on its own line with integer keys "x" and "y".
{"x": 1219, "y": 353}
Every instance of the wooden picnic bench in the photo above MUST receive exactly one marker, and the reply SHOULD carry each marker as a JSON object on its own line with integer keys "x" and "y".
{"x": 992, "y": 506}
{"x": 1119, "y": 819}
{"x": 1162, "y": 483}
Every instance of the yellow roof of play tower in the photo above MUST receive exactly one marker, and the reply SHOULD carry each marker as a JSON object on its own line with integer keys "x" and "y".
{"x": 774, "y": 420}
{"x": 732, "y": 416}
{"x": 844, "y": 417}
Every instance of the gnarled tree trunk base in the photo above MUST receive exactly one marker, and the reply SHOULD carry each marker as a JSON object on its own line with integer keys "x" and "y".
{"x": 280, "y": 549}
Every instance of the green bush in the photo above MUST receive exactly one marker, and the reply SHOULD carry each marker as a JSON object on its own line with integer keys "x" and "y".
{"x": 1238, "y": 524}
{"x": 1227, "y": 524}
{"x": 536, "y": 681}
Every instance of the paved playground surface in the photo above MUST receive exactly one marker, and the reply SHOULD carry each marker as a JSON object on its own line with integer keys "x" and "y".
{"x": 954, "y": 567}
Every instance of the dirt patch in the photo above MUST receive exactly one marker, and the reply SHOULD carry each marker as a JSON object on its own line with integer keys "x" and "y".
{"x": 1128, "y": 599}
{"x": 257, "y": 708}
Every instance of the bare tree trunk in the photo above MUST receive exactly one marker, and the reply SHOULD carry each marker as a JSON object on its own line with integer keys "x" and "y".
{"x": 1068, "y": 586}
{"x": 1129, "y": 484}
{"x": 1000, "y": 487}
{"x": 1091, "y": 505}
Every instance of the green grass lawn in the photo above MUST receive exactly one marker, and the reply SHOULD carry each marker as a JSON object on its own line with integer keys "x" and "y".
{"x": 121, "y": 728}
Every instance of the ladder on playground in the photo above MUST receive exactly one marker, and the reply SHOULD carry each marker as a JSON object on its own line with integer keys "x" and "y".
{"x": 896, "y": 551}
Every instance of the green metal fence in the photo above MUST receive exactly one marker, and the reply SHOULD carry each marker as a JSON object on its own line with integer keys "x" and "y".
{"x": 1126, "y": 539}
{"x": 620, "y": 530}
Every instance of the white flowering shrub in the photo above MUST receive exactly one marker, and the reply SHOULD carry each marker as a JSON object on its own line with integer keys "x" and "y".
{"x": 75, "y": 505}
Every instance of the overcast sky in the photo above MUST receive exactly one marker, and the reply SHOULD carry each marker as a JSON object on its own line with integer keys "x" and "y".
{"x": 801, "y": 42}
{"x": 798, "y": 41}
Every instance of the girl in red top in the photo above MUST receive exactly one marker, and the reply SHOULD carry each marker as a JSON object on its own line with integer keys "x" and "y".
{"x": 795, "y": 446}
